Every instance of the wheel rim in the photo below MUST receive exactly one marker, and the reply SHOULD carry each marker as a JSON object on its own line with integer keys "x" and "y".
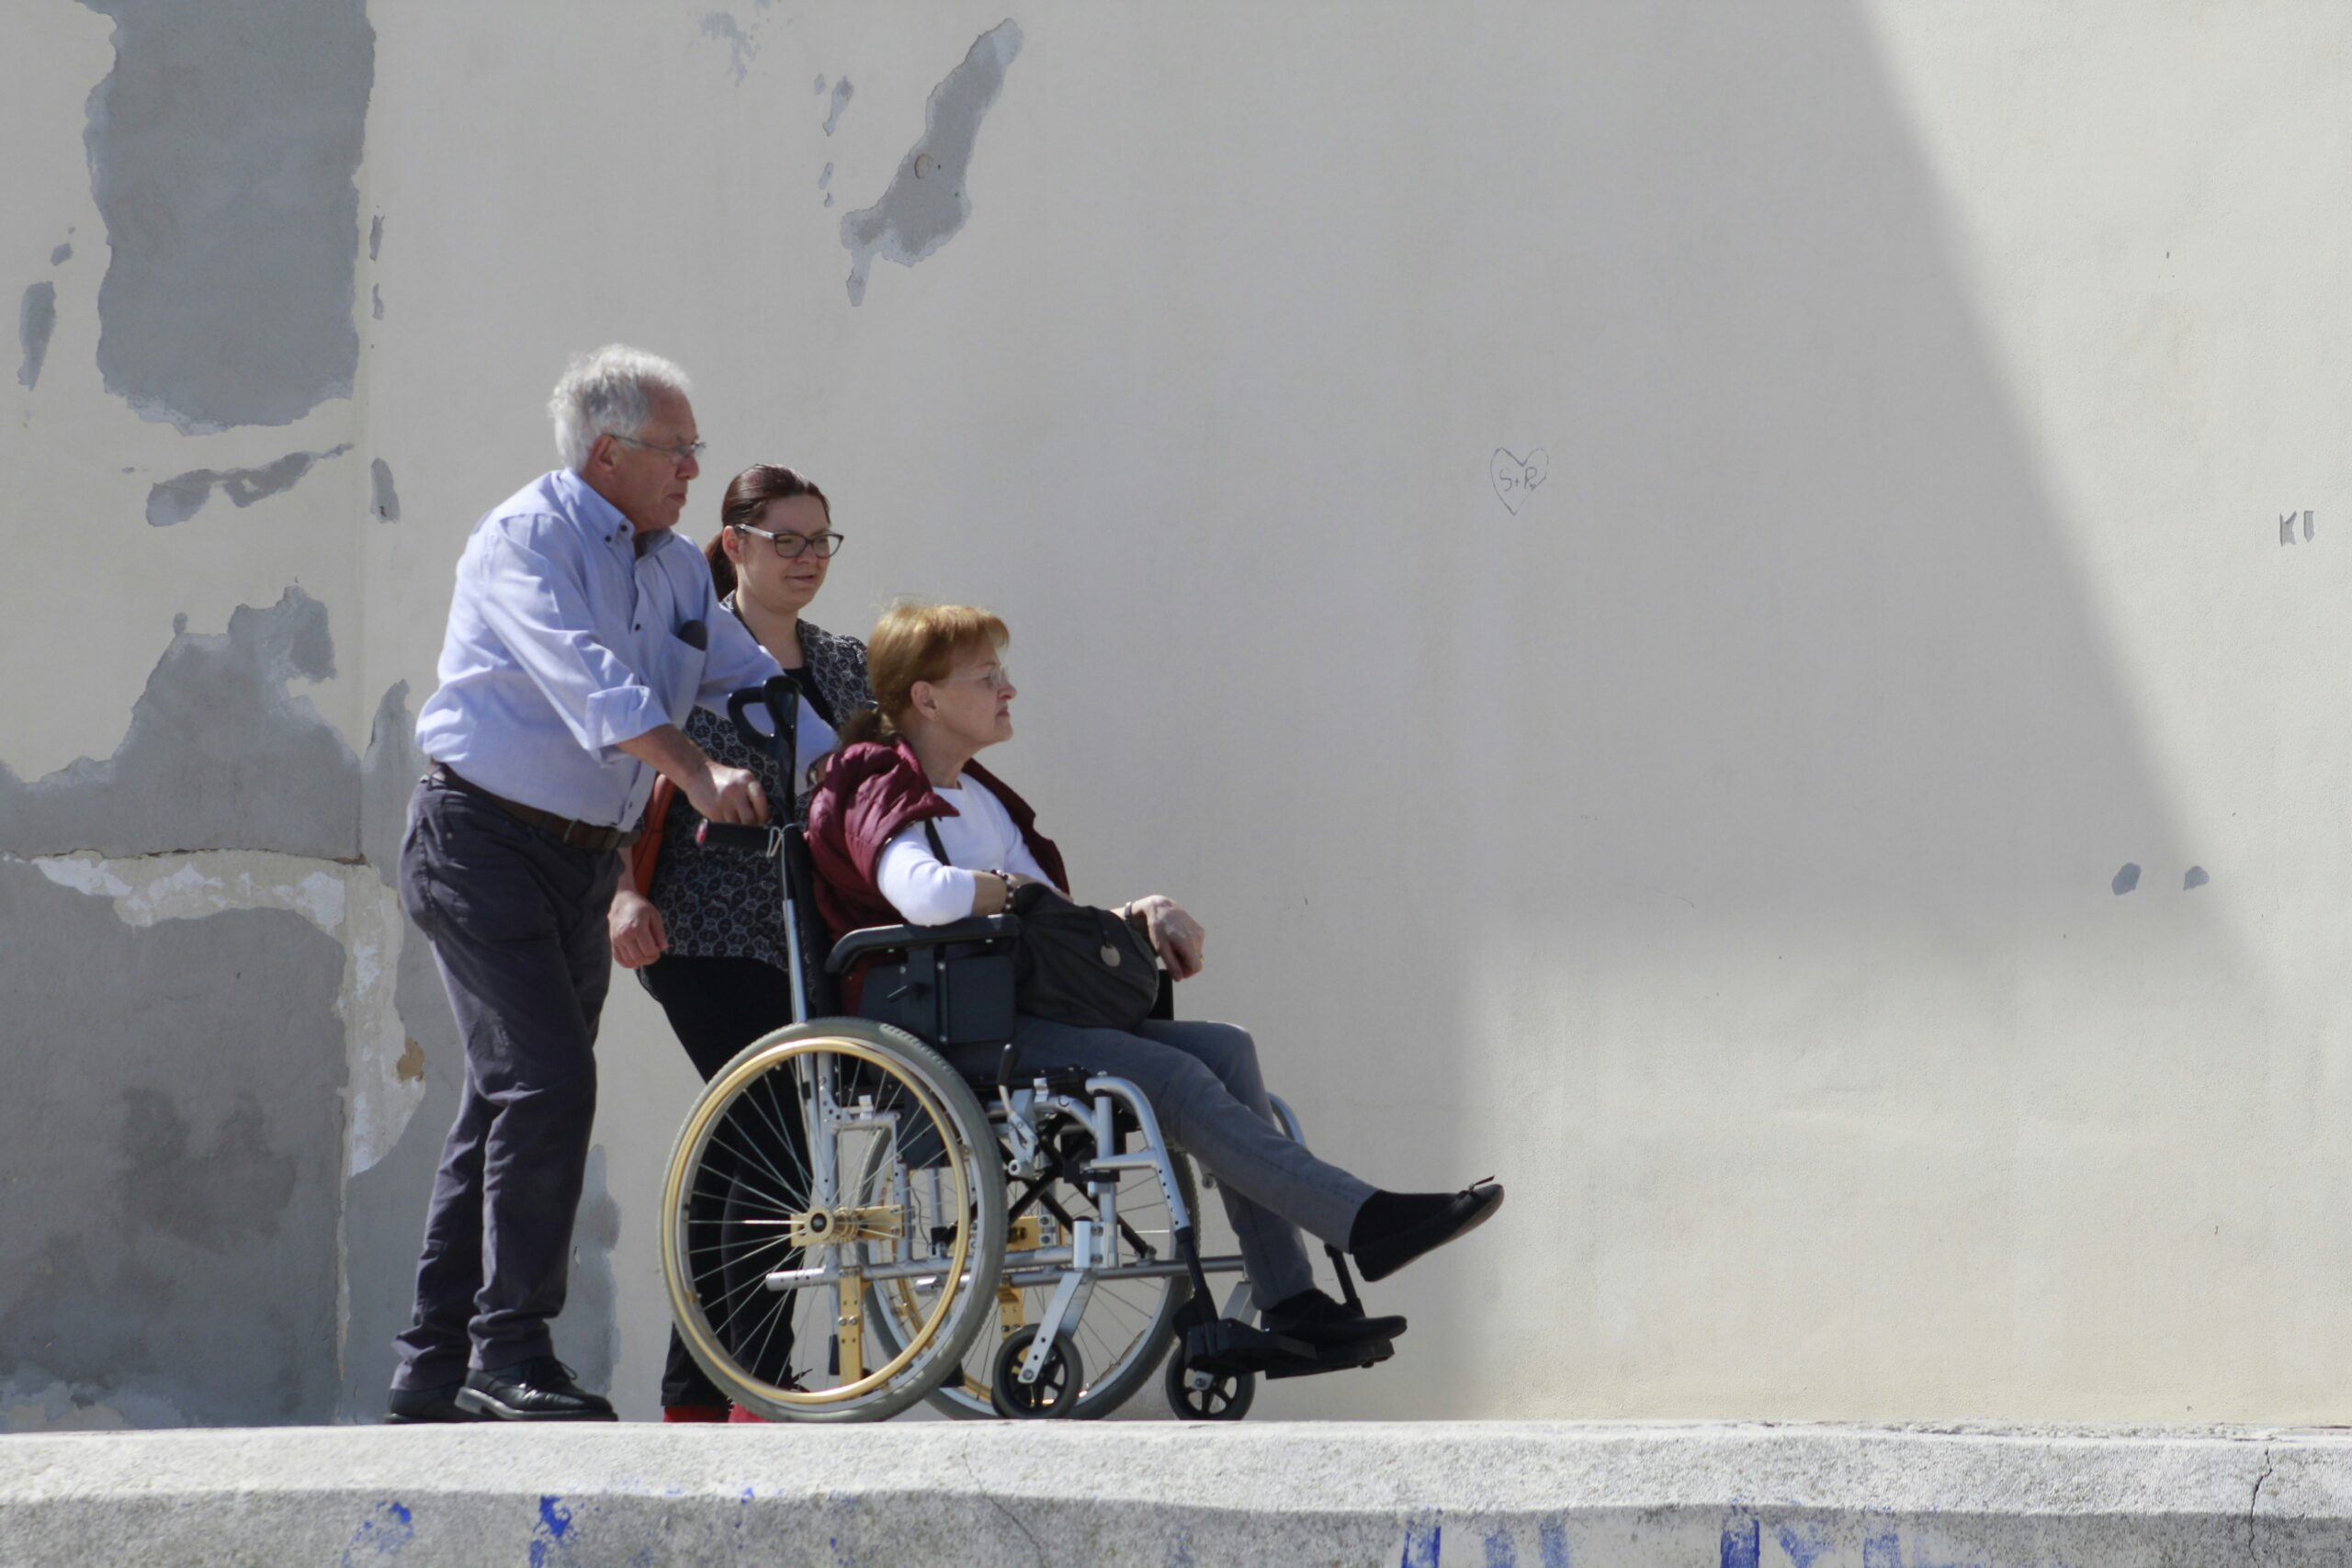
{"x": 730, "y": 1221}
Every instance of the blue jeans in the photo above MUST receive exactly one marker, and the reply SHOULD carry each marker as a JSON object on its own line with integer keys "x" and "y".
{"x": 1204, "y": 1084}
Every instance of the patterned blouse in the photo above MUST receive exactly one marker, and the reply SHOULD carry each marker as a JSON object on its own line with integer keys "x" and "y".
{"x": 718, "y": 905}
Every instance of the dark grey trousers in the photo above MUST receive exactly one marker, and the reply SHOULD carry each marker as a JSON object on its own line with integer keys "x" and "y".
{"x": 1210, "y": 1098}
{"x": 517, "y": 925}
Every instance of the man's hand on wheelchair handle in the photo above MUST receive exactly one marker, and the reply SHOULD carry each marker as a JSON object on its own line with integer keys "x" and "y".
{"x": 730, "y": 794}
{"x": 1175, "y": 935}
{"x": 635, "y": 926}
{"x": 721, "y": 794}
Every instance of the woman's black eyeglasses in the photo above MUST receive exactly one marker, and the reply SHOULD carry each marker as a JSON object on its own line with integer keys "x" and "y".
{"x": 790, "y": 545}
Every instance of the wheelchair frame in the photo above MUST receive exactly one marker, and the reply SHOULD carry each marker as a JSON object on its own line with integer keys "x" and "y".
{"x": 866, "y": 1246}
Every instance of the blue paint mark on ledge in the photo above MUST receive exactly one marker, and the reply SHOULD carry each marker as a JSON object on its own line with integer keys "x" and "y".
{"x": 385, "y": 1532}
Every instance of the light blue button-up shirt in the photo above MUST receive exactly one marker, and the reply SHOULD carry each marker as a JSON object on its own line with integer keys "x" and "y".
{"x": 563, "y": 642}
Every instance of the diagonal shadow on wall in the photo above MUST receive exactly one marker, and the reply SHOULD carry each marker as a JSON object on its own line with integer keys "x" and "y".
{"x": 1720, "y": 846}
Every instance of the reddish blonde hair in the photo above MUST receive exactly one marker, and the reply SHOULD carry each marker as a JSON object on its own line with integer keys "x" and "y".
{"x": 915, "y": 641}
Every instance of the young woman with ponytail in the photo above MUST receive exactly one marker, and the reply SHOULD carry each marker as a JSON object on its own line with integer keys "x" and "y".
{"x": 703, "y": 930}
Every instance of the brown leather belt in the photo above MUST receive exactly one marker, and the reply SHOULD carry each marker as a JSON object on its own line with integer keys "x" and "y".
{"x": 562, "y": 830}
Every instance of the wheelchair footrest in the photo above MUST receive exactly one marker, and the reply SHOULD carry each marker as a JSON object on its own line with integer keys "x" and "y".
{"x": 1335, "y": 1361}
{"x": 1229, "y": 1346}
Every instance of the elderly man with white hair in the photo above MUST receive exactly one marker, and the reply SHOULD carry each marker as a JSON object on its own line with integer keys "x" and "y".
{"x": 582, "y": 634}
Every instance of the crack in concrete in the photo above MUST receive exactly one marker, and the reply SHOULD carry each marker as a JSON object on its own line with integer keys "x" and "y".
{"x": 2268, "y": 1469}
{"x": 998, "y": 1503}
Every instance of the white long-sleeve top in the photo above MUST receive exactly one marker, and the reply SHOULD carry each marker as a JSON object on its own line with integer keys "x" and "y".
{"x": 980, "y": 837}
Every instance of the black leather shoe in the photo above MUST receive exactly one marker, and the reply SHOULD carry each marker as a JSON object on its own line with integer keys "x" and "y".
{"x": 1397, "y": 1228}
{"x": 1327, "y": 1325}
{"x": 537, "y": 1390}
{"x": 416, "y": 1406}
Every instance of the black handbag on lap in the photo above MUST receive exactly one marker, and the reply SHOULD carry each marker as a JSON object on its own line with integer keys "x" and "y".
{"x": 1075, "y": 964}
{"x": 1080, "y": 966}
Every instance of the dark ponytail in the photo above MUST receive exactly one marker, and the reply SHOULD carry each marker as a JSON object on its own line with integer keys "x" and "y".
{"x": 867, "y": 724}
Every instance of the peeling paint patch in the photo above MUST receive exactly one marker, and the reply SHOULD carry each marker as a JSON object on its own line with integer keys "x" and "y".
{"x": 722, "y": 27}
{"x": 376, "y": 236}
{"x": 218, "y": 754}
{"x": 826, "y": 179}
{"x": 2194, "y": 879}
{"x": 36, "y": 320}
{"x": 384, "y": 1066}
{"x": 2126, "y": 879}
{"x": 181, "y": 497}
{"x": 843, "y": 93}
{"x": 177, "y": 1253}
{"x": 386, "y": 502}
{"x": 925, "y": 205}
{"x": 132, "y": 946}
{"x": 62, "y": 254}
{"x": 150, "y": 888}
{"x": 80, "y": 1408}
{"x": 224, "y": 148}
{"x": 376, "y": 301}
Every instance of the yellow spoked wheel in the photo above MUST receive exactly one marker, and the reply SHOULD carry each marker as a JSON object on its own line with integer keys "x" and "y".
{"x": 828, "y": 1160}
{"x": 1128, "y": 1324}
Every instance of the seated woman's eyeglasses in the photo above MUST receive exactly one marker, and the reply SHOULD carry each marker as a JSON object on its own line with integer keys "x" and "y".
{"x": 791, "y": 544}
{"x": 996, "y": 678}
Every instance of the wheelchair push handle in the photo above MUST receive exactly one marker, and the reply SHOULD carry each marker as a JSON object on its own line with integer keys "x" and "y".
{"x": 748, "y": 838}
{"x": 780, "y": 694}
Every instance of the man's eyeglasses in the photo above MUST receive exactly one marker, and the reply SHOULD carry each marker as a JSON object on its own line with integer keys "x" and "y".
{"x": 789, "y": 546}
{"x": 680, "y": 454}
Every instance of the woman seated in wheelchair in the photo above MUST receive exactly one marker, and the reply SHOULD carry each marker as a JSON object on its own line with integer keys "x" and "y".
{"x": 907, "y": 828}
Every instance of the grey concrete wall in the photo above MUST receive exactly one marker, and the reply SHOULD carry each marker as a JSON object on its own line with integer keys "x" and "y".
{"x": 1724, "y": 613}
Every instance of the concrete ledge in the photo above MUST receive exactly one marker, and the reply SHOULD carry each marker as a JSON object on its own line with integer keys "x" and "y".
{"x": 1486, "y": 1495}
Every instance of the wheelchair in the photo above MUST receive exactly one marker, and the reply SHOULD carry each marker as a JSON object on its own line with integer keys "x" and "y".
{"x": 852, "y": 1225}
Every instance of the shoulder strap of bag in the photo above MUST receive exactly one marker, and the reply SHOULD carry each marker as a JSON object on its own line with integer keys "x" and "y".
{"x": 931, "y": 832}
{"x": 646, "y": 850}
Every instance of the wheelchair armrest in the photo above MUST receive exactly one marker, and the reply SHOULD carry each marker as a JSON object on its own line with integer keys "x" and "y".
{"x": 885, "y": 939}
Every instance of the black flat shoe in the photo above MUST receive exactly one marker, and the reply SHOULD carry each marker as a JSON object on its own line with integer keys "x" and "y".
{"x": 1327, "y": 1325}
{"x": 419, "y": 1406}
{"x": 539, "y": 1389}
{"x": 1394, "y": 1228}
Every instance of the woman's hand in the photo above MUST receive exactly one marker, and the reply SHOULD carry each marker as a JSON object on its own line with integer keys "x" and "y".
{"x": 635, "y": 926}
{"x": 1175, "y": 935}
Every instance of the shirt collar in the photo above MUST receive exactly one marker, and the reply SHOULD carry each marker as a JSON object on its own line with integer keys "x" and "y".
{"x": 592, "y": 512}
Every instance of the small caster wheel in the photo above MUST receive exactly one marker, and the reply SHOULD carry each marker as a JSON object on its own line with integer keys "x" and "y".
{"x": 1059, "y": 1381}
{"x": 1222, "y": 1396}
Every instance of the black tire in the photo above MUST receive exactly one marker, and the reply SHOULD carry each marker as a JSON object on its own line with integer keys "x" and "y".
{"x": 1228, "y": 1397}
{"x": 1053, "y": 1395}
